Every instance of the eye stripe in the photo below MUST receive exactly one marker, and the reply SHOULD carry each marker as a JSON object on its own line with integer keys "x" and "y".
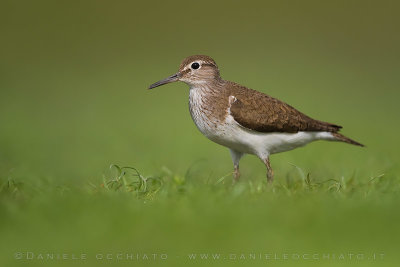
{"x": 185, "y": 71}
{"x": 208, "y": 64}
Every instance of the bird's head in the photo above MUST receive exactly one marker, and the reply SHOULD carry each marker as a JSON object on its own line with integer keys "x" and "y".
{"x": 194, "y": 70}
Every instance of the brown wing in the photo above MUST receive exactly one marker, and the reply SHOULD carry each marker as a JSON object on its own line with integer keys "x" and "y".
{"x": 260, "y": 112}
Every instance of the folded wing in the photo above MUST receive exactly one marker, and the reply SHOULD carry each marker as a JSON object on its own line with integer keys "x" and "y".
{"x": 262, "y": 113}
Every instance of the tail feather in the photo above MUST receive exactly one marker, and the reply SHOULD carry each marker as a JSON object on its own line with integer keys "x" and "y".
{"x": 341, "y": 137}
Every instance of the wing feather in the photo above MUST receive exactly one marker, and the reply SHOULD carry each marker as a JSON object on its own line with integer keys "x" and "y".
{"x": 263, "y": 113}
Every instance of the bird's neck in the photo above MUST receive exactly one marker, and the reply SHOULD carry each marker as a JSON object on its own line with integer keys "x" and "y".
{"x": 205, "y": 101}
{"x": 209, "y": 86}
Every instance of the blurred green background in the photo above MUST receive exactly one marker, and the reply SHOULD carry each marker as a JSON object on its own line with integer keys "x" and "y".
{"x": 73, "y": 100}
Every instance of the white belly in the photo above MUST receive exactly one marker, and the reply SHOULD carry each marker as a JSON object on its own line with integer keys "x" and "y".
{"x": 234, "y": 136}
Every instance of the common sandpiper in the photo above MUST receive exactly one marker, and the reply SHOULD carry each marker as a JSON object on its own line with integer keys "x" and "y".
{"x": 244, "y": 120}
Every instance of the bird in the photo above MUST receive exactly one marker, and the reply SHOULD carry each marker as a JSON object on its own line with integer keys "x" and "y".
{"x": 245, "y": 120}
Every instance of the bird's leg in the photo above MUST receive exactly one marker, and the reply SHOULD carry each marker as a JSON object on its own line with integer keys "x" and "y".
{"x": 236, "y": 155}
{"x": 236, "y": 173}
{"x": 270, "y": 172}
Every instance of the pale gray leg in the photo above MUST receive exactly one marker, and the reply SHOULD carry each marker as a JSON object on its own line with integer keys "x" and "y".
{"x": 236, "y": 156}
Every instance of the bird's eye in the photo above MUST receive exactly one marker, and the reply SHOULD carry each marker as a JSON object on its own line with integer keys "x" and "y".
{"x": 195, "y": 65}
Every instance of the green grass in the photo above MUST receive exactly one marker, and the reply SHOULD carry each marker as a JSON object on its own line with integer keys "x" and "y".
{"x": 193, "y": 213}
{"x": 73, "y": 101}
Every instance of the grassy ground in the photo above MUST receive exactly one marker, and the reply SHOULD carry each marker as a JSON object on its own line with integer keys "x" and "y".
{"x": 343, "y": 221}
{"x": 73, "y": 101}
